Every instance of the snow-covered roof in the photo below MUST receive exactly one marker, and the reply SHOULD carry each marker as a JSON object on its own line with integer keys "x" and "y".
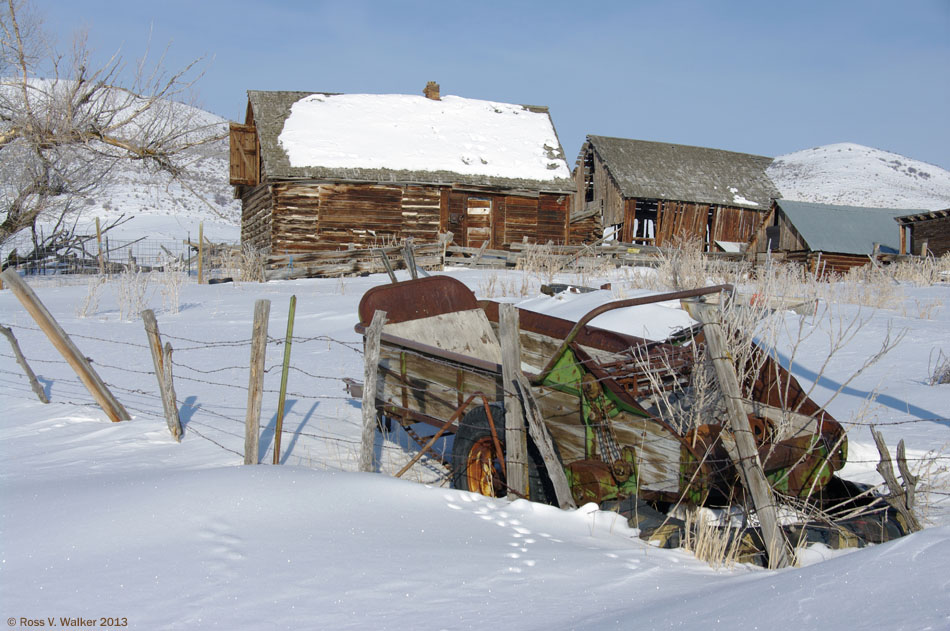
{"x": 659, "y": 170}
{"x": 844, "y": 229}
{"x": 408, "y": 139}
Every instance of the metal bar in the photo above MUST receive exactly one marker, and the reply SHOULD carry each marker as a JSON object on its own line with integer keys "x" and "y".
{"x": 283, "y": 378}
{"x": 620, "y": 304}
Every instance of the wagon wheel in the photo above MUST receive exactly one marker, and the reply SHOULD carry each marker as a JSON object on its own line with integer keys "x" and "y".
{"x": 482, "y": 470}
{"x": 475, "y": 465}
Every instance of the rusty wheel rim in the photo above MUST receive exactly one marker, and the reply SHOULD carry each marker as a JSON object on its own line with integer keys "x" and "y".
{"x": 480, "y": 470}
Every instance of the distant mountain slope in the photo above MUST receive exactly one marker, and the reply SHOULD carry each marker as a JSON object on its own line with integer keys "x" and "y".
{"x": 854, "y": 175}
{"x": 163, "y": 208}
{"x": 159, "y": 206}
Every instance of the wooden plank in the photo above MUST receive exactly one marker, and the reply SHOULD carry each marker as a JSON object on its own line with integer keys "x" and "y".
{"x": 516, "y": 444}
{"x": 255, "y": 388}
{"x": 749, "y": 465}
{"x": 64, "y": 344}
{"x": 545, "y": 444}
{"x": 370, "y": 372}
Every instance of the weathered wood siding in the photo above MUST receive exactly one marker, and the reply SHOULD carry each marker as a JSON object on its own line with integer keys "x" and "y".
{"x": 936, "y": 232}
{"x": 735, "y": 224}
{"x": 680, "y": 220}
{"x": 585, "y": 230}
{"x": 788, "y": 238}
{"x": 607, "y": 193}
{"x": 521, "y": 219}
{"x": 553, "y": 214}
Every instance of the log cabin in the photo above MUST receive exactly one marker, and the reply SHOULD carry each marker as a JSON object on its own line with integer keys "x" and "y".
{"x": 926, "y": 232}
{"x": 827, "y": 238}
{"x": 319, "y": 171}
{"x": 655, "y": 193}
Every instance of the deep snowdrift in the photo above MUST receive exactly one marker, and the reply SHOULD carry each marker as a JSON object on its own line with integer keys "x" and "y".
{"x": 116, "y": 519}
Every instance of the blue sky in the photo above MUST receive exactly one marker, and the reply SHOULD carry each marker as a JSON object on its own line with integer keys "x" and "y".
{"x": 759, "y": 77}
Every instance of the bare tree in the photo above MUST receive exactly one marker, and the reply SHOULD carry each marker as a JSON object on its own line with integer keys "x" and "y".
{"x": 65, "y": 126}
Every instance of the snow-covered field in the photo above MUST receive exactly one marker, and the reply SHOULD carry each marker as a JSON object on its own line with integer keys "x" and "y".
{"x": 116, "y": 520}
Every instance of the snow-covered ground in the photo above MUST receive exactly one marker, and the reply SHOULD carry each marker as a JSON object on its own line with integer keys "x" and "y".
{"x": 848, "y": 174}
{"x": 117, "y": 520}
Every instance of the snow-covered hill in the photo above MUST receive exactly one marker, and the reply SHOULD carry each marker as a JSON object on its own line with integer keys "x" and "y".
{"x": 855, "y": 175}
{"x": 163, "y": 208}
{"x": 159, "y": 206}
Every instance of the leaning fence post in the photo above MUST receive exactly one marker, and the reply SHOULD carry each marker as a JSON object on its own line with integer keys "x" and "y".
{"x": 161, "y": 370}
{"x": 255, "y": 387}
{"x": 370, "y": 371}
{"x": 70, "y": 352}
{"x": 168, "y": 394}
{"x": 283, "y": 379}
{"x": 516, "y": 445}
{"x": 749, "y": 465}
{"x": 20, "y": 359}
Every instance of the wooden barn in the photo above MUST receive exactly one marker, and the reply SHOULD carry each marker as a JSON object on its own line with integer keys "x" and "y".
{"x": 652, "y": 192}
{"x": 925, "y": 232}
{"x": 319, "y": 171}
{"x": 828, "y": 238}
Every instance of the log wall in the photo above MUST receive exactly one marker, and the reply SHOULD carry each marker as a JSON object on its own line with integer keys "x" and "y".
{"x": 256, "y": 209}
{"x": 292, "y": 217}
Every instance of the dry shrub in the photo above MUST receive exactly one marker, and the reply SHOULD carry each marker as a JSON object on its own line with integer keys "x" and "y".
{"x": 252, "y": 261}
{"x": 131, "y": 292}
{"x": 172, "y": 277}
{"x": 90, "y": 303}
{"x": 938, "y": 368}
{"x": 717, "y": 545}
{"x": 540, "y": 261}
{"x": 923, "y": 271}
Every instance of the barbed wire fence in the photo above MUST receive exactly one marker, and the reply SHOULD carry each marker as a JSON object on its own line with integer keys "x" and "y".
{"x": 212, "y": 398}
{"x": 334, "y": 445}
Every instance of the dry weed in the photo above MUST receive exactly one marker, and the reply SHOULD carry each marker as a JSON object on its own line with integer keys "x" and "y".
{"x": 131, "y": 292}
{"x": 718, "y": 545}
{"x": 90, "y": 303}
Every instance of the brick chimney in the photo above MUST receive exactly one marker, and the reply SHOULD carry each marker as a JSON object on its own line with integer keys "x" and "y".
{"x": 432, "y": 91}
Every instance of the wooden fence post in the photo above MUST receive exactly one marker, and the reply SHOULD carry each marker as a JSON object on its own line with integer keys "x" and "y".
{"x": 201, "y": 241}
{"x": 370, "y": 372}
{"x": 255, "y": 387}
{"x": 749, "y": 465}
{"x": 20, "y": 359}
{"x": 168, "y": 394}
{"x": 70, "y": 352}
{"x": 165, "y": 387}
{"x": 516, "y": 444}
{"x": 283, "y": 379}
